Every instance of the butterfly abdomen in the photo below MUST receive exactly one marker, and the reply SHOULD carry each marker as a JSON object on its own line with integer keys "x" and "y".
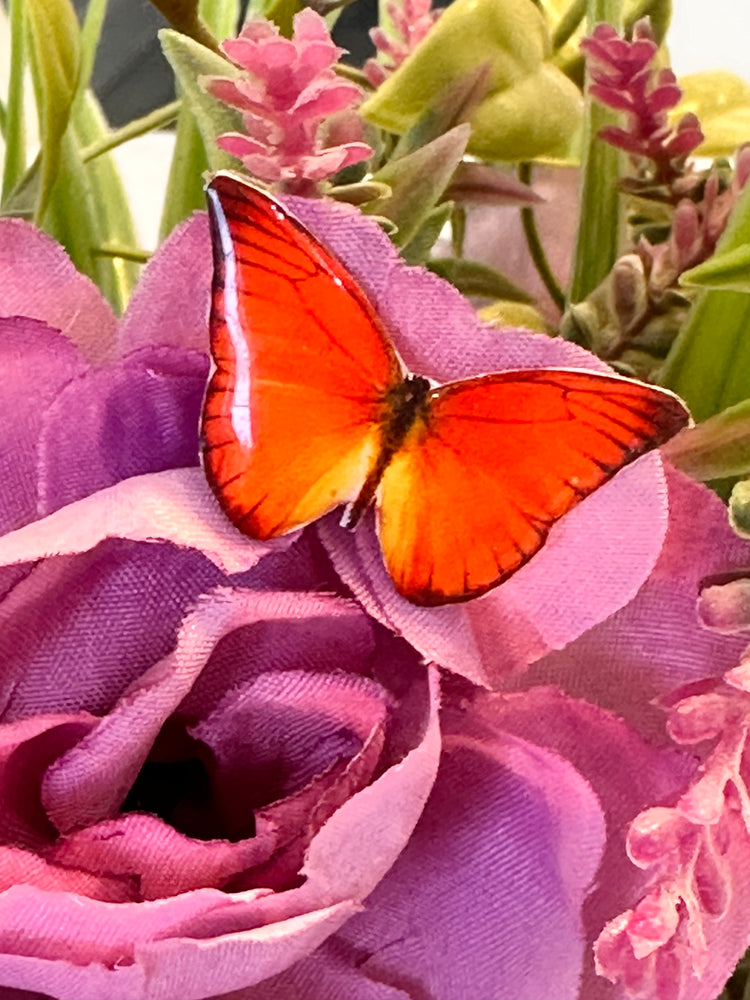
{"x": 404, "y": 405}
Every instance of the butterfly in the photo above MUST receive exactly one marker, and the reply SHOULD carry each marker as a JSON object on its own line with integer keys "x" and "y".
{"x": 309, "y": 407}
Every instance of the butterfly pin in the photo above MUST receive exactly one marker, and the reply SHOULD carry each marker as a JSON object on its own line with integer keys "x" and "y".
{"x": 310, "y": 407}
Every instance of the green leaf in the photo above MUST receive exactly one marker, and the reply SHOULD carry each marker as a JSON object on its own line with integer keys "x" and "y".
{"x": 739, "y": 508}
{"x": 88, "y": 207}
{"x": 729, "y": 271}
{"x": 202, "y": 119}
{"x": 191, "y": 61}
{"x": 598, "y": 240}
{"x": 90, "y": 34}
{"x": 417, "y": 250}
{"x": 716, "y": 448}
{"x": 113, "y": 222}
{"x": 473, "y": 278}
{"x": 220, "y": 16}
{"x": 14, "y": 131}
{"x": 709, "y": 363}
{"x": 450, "y": 107}
{"x": 54, "y": 41}
{"x": 185, "y": 193}
{"x": 530, "y": 108}
{"x": 417, "y": 182}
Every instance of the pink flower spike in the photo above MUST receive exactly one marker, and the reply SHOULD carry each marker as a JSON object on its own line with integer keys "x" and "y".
{"x": 622, "y": 76}
{"x": 411, "y": 21}
{"x": 287, "y": 90}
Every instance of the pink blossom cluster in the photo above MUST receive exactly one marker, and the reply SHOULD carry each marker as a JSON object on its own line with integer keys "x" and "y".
{"x": 411, "y": 20}
{"x": 622, "y": 77}
{"x": 692, "y": 847}
{"x": 696, "y": 228}
{"x": 298, "y": 113}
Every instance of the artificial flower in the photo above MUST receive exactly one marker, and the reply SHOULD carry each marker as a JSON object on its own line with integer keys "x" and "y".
{"x": 298, "y": 114}
{"x": 222, "y": 773}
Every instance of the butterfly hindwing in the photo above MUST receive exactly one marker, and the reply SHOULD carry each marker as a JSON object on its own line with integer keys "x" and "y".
{"x": 477, "y": 485}
{"x": 293, "y": 411}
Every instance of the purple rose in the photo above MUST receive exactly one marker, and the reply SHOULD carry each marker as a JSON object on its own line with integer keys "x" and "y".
{"x": 221, "y": 762}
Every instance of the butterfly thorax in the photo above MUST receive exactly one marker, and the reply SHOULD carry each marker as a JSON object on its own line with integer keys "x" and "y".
{"x": 404, "y": 404}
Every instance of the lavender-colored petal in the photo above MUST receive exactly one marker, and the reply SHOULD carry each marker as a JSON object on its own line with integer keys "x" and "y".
{"x": 174, "y": 506}
{"x": 77, "y": 630}
{"x": 37, "y": 362}
{"x": 521, "y": 621}
{"x": 485, "y": 899}
{"x": 137, "y": 416}
{"x": 170, "y": 303}
{"x": 38, "y": 280}
{"x": 77, "y": 790}
{"x": 148, "y": 951}
{"x": 156, "y": 859}
{"x": 626, "y": 772}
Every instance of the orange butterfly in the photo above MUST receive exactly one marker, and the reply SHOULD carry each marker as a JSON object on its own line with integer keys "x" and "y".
{"x": 310, "y": 407}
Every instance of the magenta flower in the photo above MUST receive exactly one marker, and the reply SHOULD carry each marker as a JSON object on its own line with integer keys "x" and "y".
{"x": 410, "y": 20}
{"x": 622, "y": 77}
{"x": 222, "y": 772}
{"x": 298, "y": 114}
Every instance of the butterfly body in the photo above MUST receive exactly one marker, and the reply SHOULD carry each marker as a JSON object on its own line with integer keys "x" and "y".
{"x": 309, "y": 408}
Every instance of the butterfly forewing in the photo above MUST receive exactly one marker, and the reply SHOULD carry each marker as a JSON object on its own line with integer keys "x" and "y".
{"x": 477, "y": 485}
{"x": 293, "y": 411}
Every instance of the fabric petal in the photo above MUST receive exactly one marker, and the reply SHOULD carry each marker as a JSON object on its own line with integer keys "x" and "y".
{"x": 37, "y": 362}
{"x": 170, "y": 303}
{"x": 173, "y": 506}
{"x": 140, "y": 415}
{"x": 38, "y": 280}
{"x": 76, "y": 630}
{"x": 509, "y": 841}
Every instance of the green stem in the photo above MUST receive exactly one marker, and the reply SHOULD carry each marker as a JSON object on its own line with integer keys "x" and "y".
{"x": 122, "y": 252}
{"x": 15, "y": 132}
{"x": 568, "y": 23}
{"x": 598, "y": 241}
{"x": 155, "y": 119}
{"x": 535, "y": 245}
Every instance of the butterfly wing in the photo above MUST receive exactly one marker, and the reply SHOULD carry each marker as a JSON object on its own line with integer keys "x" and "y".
{"x": 478, "y": 483}
{"x": 293, "y": 411}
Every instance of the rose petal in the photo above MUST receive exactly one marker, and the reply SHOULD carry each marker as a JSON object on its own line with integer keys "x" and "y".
{"x": 144, "y": 951}
{"x": 655, "y": 644}
{"x": 37, "y": 362}
{"x": 173, "y": 506}
{"x": 509, "y": 840}
{"x": 158, "y": 860}
{"x": 76, "y": 630}
{"x": 125, "y": 420}
{"x": 78, "y": 790}
{"x": 170, "y": 303}
{"x": 38, "y": 280}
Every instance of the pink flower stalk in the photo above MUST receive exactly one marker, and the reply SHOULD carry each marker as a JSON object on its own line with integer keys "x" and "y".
{"x": 622, "y": 77}
{"x": 298, "y": 114}
{"x": 690, "y": 848}
{"x": 411, "y": 20}
{"x": 696, "y": 229}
